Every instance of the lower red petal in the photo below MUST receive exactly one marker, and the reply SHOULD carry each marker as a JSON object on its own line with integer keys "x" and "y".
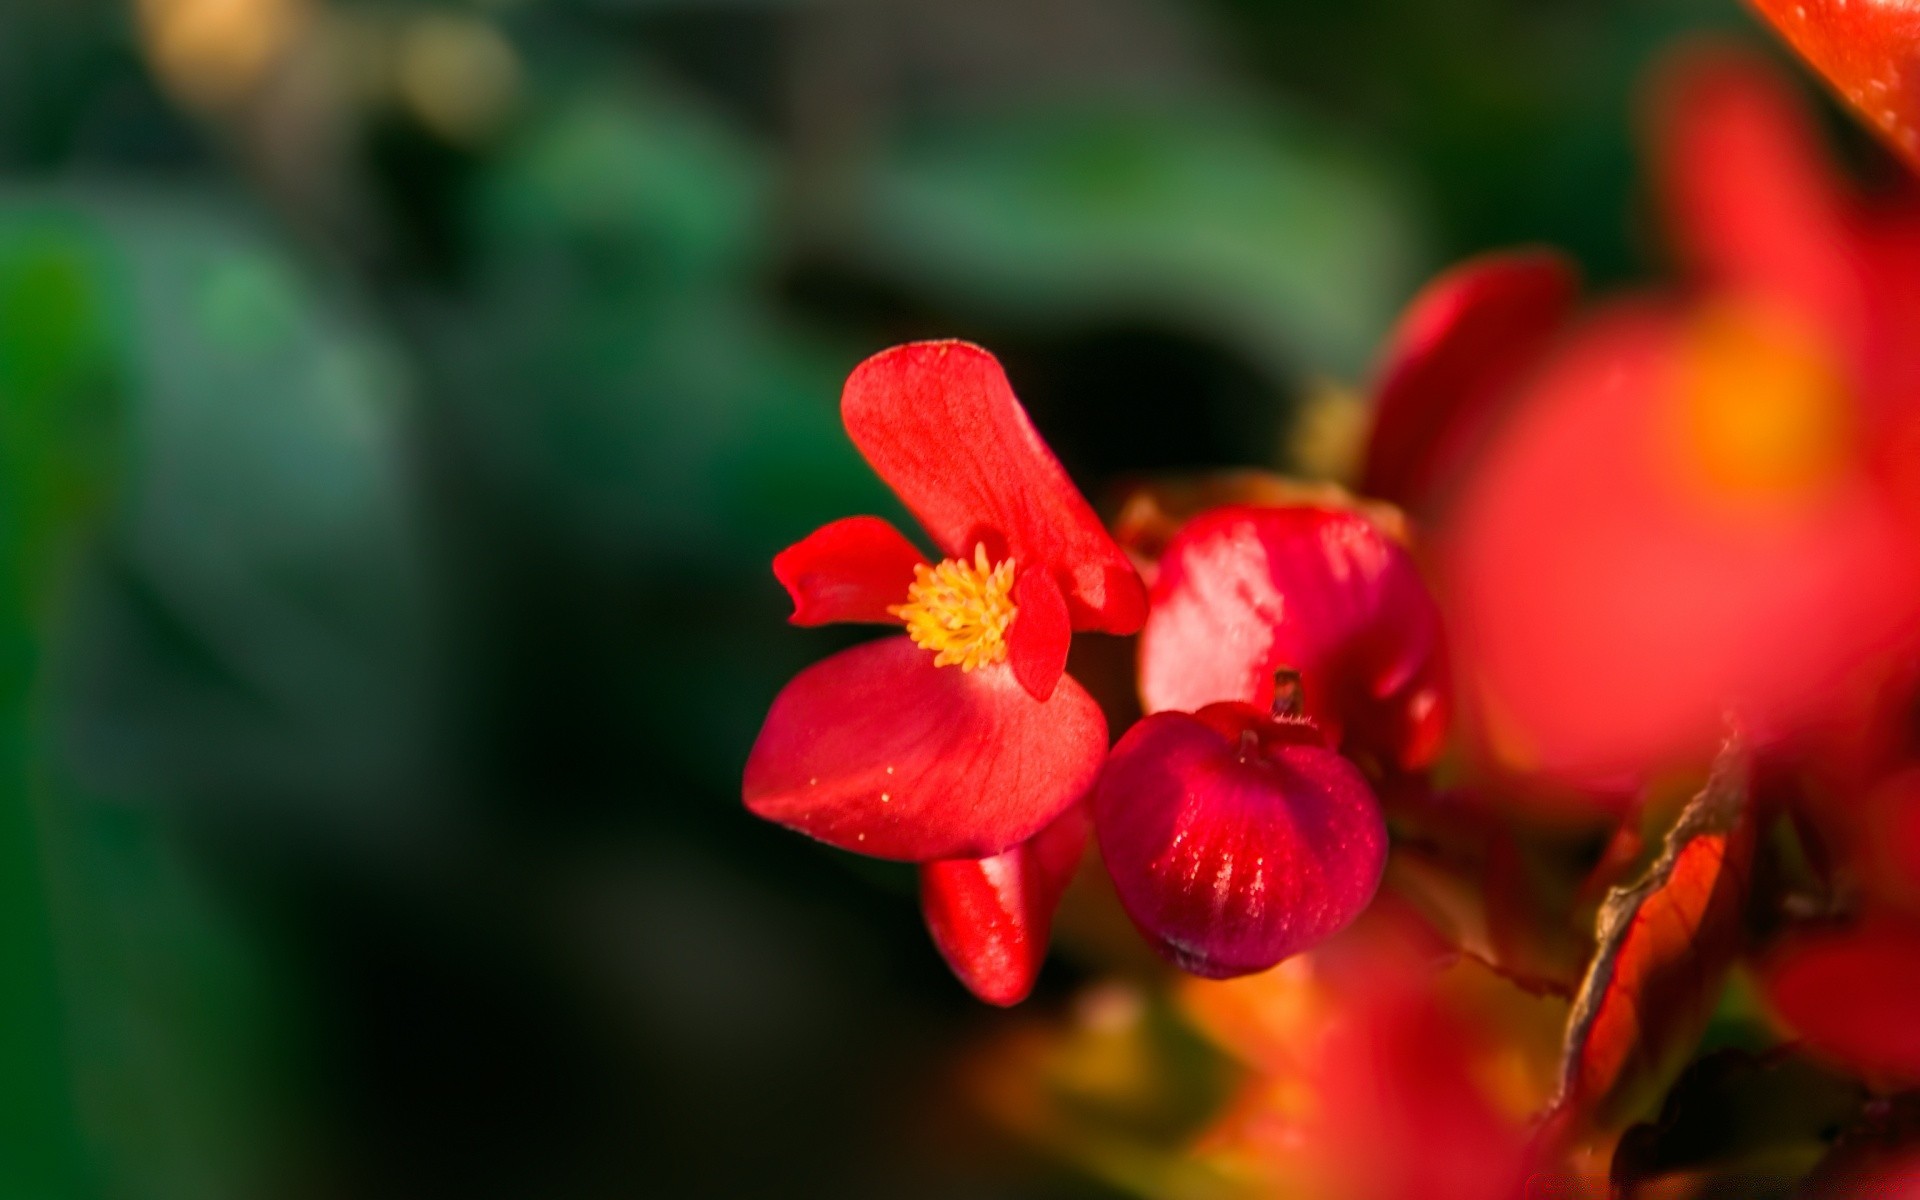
{"x": 849, "y": 570}
{"x": 990, "y": 917}
{"x": 1038, "y": 641}
{"x": 878, "y": 751}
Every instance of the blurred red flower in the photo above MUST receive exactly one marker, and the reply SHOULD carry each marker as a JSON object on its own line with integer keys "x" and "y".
{"x": 1703, "y": 501}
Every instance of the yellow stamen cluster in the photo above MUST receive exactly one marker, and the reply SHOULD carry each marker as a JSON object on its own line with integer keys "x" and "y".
{"x": 960, "y": 610}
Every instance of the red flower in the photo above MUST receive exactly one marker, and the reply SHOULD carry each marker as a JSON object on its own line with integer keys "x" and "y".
{"x": 963, "y": 738}
{"x": 1235, "y": 839}
{"x": 1242, "y": 593}
{"x": 1698, "y": 505}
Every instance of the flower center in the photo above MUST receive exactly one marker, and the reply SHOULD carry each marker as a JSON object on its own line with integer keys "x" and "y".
{"x": 1764, "y": 412}
{"x": 960, "y": 610}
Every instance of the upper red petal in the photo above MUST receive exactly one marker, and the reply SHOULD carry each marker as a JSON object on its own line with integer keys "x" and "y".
{"x": 849, "y": 570}
{"x": 940, "y": 424}
{"x": 1243, "y": 592}
{"x": 990, "y": 917}
{"x": 1755, "y": 204}
{"x": 1231, "y": 853}
{"x": 1866, "y": 51}
{"x": 1465, "y": 341}
{"x": 878, "y": 751}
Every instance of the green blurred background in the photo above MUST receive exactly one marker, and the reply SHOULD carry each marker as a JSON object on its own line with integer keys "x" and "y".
{"x": 399, "y": 405}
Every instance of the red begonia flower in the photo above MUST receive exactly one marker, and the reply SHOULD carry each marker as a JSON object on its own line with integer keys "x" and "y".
{"x": 1690, "y": 513}
{"x": 1244, "y": 592}
{"x": 990, "y": 917}
{"x": 1852, "y": 995}
{"x": 1869, "y": 50}
{"x": 1235, "y": 839}
{"x": 964, "y": 738}
{"x": 1460, "y": 349}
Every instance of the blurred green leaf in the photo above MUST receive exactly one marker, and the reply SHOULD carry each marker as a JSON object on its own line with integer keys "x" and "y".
{"x": 636, "y": 380}
{"x": 211, "y": 570}
{"x": 55, "y": 333}
{"x": 1215, "y": 220}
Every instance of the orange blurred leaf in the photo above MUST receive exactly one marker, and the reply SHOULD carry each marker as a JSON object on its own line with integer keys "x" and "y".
{"x": 1663, "y": 946}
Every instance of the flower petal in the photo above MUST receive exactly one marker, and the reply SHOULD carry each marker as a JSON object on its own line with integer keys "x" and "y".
{"x": 990, "y": 917}
{"x": 878, "y": 751}
{"x": 848, "y": 570}
{"x": 1867, "y": 52}
{"x": 1231, "y": 853}
{"x": 940, "y": 424}
{"x": 1463, "y": 344}
{"x": 1754, "y": 202}
{"x": 1038, "y": 641}
{"x": 1244, "y": 592}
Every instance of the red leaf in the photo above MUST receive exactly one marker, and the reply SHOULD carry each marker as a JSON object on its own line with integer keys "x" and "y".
{"x": 848, "y": 570}
{"x": 1869, "y": 51}
{"x": 1461, "y": 346}
{"x": 1663, "y": 949}
{"x": 878, "y": 751}
{"x": 939, "y": 423}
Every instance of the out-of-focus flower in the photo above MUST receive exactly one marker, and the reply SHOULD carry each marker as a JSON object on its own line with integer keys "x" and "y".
{"x": 1383, "y": 1068}
{"x": 1235, "y": 839}
{"x": 212, "y": 52}
{"x": 956, "y": 744}
{"x": 1869, "y": 50}
{"x": 1702, "y": 501}
{"x": 990, "y": 917}
{"x": 1243, "y": 594}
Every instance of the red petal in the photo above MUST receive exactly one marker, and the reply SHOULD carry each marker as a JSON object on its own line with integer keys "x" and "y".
{"x": 850, "y": 570}
{"x": 940, "y": 424}
{"x": 1466, "y": 340}
{"x": 1867, "y": 51}
{"x": 1755, "y": 204}
{"x": 1037, "y": 643}
{"x": 1244, "y": 592}
{"x": 990, "y": 916}
{"x": 1231, "y": 853}
{"x": 1852, "y": 995}
{"x": 878, "y": 751}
